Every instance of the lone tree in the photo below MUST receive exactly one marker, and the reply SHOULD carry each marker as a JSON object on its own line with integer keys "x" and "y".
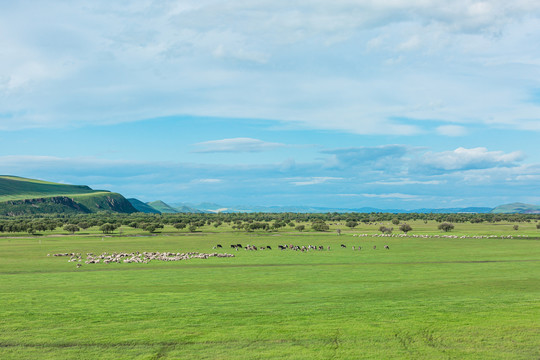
{"x": 300, "y": 227}
{"x": 538, "y": 226}
{"x": 84, "y": 225}
{"x": 386, "y": 230}
{"x": 516, "y": 227}
{"x": 352, "y": 224}
{"x": 446, "y": 227}
{"x": 71, "y": 228}
{"x": 107, "y": 228}
{"x": 395, "y": 221}
{"x": 180, "y": 225}
{"x": 320, "y": 226}
{"x": 405, "y": 228}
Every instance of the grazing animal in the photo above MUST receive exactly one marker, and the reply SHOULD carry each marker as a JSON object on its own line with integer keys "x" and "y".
{"x": 374, "y": 247}
{"x": 269, "y": 247}
{"x": 387, "y": 247}
{"x": 219, "y": 246}
{"x": 343, "y": 246}
{"x": 233, "y": 246}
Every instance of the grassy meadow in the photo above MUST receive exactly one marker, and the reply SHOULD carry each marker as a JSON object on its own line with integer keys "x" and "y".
{"x": 425, "y": 298}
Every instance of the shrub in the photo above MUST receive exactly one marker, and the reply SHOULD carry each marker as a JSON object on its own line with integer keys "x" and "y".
{"x": 386, "y": 230}
{"x": 405, "y": 228}
{"x": 71, "y": 228}
{"x": 446, "y": 226}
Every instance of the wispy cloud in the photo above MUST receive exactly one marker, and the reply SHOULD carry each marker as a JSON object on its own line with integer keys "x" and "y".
{"x": 313, "y": 180}
{"x": 385, "y": 196}
{"x": 236, "y": 145}
{"x": 366, "y": 155}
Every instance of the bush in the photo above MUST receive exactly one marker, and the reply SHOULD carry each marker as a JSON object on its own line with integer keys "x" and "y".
{"x": 352, "y": 224}
{"x": 320, "y": 226}
{"x": 300, "y": 228}
{"x": 405, "y": 228}
{"x": 71, "y": 228}
{"x": 386, "y": 230}
{"x": 516, "y": 227}
{"x": 446, "y": 226}
{"x": 108, "y": 228}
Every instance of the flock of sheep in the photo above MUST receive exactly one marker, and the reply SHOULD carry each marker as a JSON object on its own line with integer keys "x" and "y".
{"x": 442, "y": 236}
{"x": 136, "y": 257}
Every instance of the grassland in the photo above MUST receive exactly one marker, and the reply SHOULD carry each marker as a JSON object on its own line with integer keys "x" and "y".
{"x": 425, "y": 298}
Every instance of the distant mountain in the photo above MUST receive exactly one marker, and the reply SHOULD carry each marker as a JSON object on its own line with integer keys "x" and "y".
{"x": 188, "y": 209}
{"x": 205, "y": 207}
{"x": 212, "y": 207}
{"x": 162, "y": 207}
{"x": 517, "y": 208}
{"x": 143, "y": 207}
{"x": 20, "y": 196}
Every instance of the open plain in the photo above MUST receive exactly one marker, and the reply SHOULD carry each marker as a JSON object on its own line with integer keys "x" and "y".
{"x": 431, "y": 297}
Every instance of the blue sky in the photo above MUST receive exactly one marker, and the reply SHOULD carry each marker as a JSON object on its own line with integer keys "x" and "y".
{"x": 390, "y": 104}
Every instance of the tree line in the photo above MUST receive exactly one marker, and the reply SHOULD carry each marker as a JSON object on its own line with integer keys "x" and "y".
{"x": 108, "y": 222}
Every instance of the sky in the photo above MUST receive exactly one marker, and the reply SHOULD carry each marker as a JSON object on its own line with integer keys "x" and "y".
{"x": 344, "y": 103}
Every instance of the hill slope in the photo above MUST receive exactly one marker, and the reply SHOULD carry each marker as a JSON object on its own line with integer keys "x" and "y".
{"x": 142, "y": 207}
{"x": 20, "y": 196}
{"x": 517, "y": 208}
{"x": 162, "y": 207}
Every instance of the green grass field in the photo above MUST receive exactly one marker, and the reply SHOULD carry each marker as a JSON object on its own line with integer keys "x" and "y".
{"x": 422, "y": 299}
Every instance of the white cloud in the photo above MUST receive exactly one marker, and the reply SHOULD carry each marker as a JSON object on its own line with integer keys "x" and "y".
{"x": 236, "y": 145}
{"x": 466, "y": 159}
{"x": 70, "y": 63}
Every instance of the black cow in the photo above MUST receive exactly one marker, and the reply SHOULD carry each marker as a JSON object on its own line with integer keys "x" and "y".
{"x": 343, "y": 246}
{"x": 269, "y": 247}
{"x": 387, "y": 247}
{"x": 219, "y": 246}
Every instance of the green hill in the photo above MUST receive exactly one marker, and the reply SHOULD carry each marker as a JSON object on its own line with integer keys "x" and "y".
{"x": 516, "y": 208}
{"x": 20, "y": 196}
{"x": 162, "y": 207}
{"x": 142, "y": 207}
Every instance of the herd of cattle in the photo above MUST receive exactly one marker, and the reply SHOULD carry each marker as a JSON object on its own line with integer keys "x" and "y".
{"x": 136, "y": 257}
{"x": 291, "y": 247}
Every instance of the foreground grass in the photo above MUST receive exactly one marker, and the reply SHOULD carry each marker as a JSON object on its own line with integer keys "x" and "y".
{"x": 422, "y": 299}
